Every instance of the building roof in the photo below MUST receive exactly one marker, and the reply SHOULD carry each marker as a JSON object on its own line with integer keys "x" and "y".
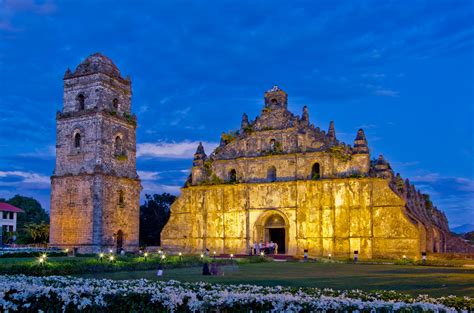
{"x": 6, "y": 207}
{"x": 95, "y": 63}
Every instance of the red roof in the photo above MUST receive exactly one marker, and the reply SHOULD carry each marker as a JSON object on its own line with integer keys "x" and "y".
{"x": 5, "y": 207}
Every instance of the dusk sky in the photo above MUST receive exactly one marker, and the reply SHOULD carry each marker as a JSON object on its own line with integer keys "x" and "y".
{"x": 401, "y": 70}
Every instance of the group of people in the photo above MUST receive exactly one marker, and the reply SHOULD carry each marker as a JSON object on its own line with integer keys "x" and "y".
{"x": 265, "y": 247}
{"x": 214, "y": 270}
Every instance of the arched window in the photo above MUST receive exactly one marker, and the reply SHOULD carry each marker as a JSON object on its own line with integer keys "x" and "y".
{"x": 232, "y": 176}
{"x": 272, "y": 174}
{"x": 274, "y": 101}
{"x": 115, "y": 104}
{"x": 81, "y": 102}
{"x": 77, "y": 140}
{"x": 118, "y": 146}
{"x": 121, "y": 197}
{"x": 273, "y": 145}
{"x": 316, "y": 171}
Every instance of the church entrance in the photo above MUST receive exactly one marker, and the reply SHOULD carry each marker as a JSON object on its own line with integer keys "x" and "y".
{"x": 275, "y": 232}
{"x": 277, "y": 235}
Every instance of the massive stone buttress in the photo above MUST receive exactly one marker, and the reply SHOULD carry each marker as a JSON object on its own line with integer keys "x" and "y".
{"x": 95, "y": 187}
{"x": 279, "y": 178}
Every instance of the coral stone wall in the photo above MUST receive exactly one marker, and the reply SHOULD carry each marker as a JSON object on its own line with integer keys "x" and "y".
{"x": 290, "y": 166}
{"x": 87, "y": 213}
{"x": 328, "y": 216}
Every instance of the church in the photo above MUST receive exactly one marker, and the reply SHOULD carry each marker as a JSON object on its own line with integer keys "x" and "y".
{"x": 281, "y": 179}
{"x": 278, "y": 178}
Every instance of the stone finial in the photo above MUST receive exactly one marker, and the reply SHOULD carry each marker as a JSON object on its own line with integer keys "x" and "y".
{"x": 382, "y": 168}
{"x": 200, "y": 154}
{"x": 68, "y": 73}
{"x": 305, "y": 116}
{"x": 331, "y": 132}
{"x": 245, "y": 121}
{"x": 360, "y": 143}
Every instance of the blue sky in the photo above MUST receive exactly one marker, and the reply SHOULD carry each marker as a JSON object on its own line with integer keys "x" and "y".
{"x": 402, "y": 70}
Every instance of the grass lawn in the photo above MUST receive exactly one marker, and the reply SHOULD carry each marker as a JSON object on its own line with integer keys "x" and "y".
{"x": 434, "y": 281}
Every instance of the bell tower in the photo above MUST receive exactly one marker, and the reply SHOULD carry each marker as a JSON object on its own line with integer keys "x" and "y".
{"x": 95, "y": 194}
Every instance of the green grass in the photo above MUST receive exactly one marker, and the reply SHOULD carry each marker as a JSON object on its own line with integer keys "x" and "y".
{"x": 434, "y": 281}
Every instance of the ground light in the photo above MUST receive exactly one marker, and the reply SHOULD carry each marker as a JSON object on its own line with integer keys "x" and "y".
{"x": 214, "y": 254}
{"x": 329, "y": 255}
{"x": 110, "y": 250}
{"x": 145, "y": 255}
{"x": 41, "y": 260}
{"x": 163, "y": 256}
{"x": 180, "y": 256}
{"x": 202, "y": 256}
{"x": 111, "y": 258}
{"x": 404, "y": 257}
{"x": 262, "y": 253}
{"x": 101, "y": 256}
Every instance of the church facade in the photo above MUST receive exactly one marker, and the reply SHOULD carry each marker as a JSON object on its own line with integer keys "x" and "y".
{"x": 281, "y": 179}
{"x": 95, "y": 195}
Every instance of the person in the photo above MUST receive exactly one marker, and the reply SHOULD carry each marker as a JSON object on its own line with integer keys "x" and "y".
{"x": 214, "y": 270}
{"x": 276, "y": 248}
{"x": 205, "y": 269}
{"x": 255, "y": 247}
{"x": 159, "y": 273}
{"x": 261, "y": 246}
{"x": 207, "y": 252}
{"x": 272, "y": 247}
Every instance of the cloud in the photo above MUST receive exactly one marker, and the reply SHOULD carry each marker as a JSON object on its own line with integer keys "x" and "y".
{"x": 152, "y": 188}
{"x": 147, "y": 175}
{"x": 14, "y": 6}
{"x": 16, "y": 178}
{"x": 48, "y": 152}
{"x": 172, "y": 150}
{"x": 387, "y": 93}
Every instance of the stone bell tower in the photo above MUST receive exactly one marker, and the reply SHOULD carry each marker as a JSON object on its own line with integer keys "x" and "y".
{"x": 95, "y": 189}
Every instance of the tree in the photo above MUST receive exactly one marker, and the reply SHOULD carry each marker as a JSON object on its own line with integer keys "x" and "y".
{"x": 39, "y": 233}
{"x": 33, "y": 223}
{"x": 154, "y": 215}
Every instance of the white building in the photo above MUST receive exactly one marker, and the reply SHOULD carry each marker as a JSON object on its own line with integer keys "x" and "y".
{"x": 8, "y": 217}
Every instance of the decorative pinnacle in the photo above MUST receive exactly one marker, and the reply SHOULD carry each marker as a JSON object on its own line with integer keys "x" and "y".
{"x": 360, "y": 142}
{"x": 305, "y": 116}
{"x": 200, "y": 154}
{"x": 332, "y": 131}
{"x": 245, "y": 121}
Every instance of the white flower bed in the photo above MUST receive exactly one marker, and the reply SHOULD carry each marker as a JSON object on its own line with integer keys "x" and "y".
{"x": 57, "y": 293}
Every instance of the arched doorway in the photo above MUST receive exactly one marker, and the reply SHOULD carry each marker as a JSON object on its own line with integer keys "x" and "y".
{"x": 272, "y": 226}
{"x": 119, "y": 241}
{"x": 275, "y": 231}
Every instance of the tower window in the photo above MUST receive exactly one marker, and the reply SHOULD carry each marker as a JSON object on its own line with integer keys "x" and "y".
{"x": 118, "y": 146}
{"x": 81, "y": 102}
{"x": 232, "y": 176}
{"x": 274, "y": 101}
{"x": 316, "y": 171}
{"x": 77, "y": 141}
{"x": 272, "y": 174}
{"x": 115, "y": 104}
{"x": 121, "y": 200}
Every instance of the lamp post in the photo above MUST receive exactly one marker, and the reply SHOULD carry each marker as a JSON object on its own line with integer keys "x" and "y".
{"x": 329, "y": 255}
{"x": 111, "y": 259}
{"x": 180, "y": 256}
{"x": 145, "y": 255}
{"x": 214, "y": 254}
